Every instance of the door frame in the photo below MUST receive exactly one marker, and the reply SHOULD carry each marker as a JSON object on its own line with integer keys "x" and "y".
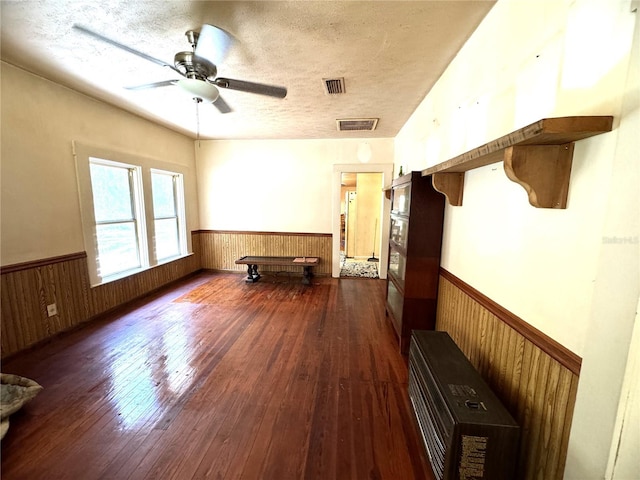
{"x": 386, "y": 169}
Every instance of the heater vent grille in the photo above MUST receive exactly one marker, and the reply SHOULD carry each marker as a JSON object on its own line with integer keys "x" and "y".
{"x": 466, "y": 431}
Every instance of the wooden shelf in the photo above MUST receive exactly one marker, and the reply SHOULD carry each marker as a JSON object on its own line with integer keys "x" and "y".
{"x": 538, "y": 157}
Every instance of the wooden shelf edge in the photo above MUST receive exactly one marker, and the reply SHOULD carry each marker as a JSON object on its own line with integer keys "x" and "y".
{"x": 538, "y": 157}
{"x": 548, "y": 131}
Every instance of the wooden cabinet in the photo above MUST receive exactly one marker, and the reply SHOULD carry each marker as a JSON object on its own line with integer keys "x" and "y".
{"x": 415, "y": 240}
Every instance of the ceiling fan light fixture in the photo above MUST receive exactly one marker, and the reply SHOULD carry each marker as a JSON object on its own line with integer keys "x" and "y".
{"x": 198, "y": 89}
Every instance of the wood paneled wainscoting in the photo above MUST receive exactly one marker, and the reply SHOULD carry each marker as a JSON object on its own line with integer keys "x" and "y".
{"x": 28, "y": 288}
{"x": 534, "y": 376}
{"x": 220, "y": 249}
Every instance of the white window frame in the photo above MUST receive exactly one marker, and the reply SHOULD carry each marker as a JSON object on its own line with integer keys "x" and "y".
{"x": 178, "y": 197}
{"x": 138, "y": 209}
{"x": 83, "y": 155}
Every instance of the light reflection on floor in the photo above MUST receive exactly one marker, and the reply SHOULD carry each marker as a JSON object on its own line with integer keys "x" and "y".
{"x": 134, "y": 392}
{"x": 137, "y": 383}
{"x": 179, "y": 371}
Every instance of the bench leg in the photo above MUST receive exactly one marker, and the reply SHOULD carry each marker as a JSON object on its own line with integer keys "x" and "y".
{"x": 252, "y": 274}
{"x": 307, "y": 275}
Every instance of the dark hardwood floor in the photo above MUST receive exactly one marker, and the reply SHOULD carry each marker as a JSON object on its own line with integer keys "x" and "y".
{"x": 216, "y": 378}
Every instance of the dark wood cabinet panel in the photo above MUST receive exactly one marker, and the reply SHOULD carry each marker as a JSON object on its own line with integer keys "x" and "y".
{"x": 417, "y": 216}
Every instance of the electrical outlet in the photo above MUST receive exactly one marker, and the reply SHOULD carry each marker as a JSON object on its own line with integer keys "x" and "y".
{"x": 52, "y": 310}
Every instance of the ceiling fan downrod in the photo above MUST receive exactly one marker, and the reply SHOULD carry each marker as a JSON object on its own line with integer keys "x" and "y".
{"x": 192, "y": 37}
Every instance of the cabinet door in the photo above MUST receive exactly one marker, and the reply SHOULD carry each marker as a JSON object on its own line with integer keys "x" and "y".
{"x": 399, "y": 231}
{"x": 397, "y": 265}
{"x": 401, "y": 199}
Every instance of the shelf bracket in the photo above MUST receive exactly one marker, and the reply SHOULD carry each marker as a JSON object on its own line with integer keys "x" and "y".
{"x": 451, "y": 185}
{"x": 542, "y": 170}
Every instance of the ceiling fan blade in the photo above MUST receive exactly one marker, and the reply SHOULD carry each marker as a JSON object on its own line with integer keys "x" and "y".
{"x": 213, "y": 44}
{"x": 165, "y": 83}
{"x": 121, "y": 46}
{"x": 221, "y": 105}
{"x": 251, "y": 87}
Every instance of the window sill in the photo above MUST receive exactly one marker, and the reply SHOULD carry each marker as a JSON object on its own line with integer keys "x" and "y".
{"x": 136, "y": 271}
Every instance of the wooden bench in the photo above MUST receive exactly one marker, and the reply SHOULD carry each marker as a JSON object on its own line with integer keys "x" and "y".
{"x": 252, "y": 263}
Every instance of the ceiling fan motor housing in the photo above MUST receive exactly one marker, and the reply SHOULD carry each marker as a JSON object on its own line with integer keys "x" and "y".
{"x": 194, "y": 67}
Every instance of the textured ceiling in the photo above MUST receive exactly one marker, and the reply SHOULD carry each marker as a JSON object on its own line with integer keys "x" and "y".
{"x": 389, "y": 53}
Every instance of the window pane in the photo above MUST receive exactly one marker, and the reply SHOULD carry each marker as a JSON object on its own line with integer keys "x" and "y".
{"x": 117, "y": 248}
{"x": 167, "y": 243}
{"x": 164, "y": 204}
{"x": 111, "y": 193}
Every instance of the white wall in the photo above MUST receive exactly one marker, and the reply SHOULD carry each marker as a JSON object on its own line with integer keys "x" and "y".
{"x": 514, "y": 70}
{"x": 274, "y": 185}
{"x": 530, "y": 60}
{"x": 625, "y": 464}
{"x": 608, "y": 352}
{"x": 40, "y": 208}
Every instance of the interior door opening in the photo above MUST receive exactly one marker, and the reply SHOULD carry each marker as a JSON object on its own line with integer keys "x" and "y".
{"x": 360, "y": 211}
{"x": 379, "y": 241}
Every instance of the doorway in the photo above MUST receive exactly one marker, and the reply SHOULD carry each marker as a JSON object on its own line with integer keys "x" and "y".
{"x": 360, "y": 211}
{"x": 375, "y": 243}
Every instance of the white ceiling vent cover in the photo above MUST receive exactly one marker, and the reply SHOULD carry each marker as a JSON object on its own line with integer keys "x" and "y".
{"x": 357, "y": 124}
{"x": 334, "y": 86}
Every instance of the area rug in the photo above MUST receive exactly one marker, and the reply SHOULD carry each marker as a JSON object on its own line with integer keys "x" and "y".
{"x": 361, "y": 269}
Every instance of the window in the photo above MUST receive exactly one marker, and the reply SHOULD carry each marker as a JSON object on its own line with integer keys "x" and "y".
{"x": 133, "y": 213}
{"x": 166, "y": 188}
{"x": 117, "y": 216}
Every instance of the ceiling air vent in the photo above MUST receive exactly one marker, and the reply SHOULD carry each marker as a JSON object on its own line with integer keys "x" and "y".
{"x": 357, "y": 124}
{"x": 334, "y": 86}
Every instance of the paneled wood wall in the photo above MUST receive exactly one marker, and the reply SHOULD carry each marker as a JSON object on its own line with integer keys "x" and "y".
{"x": 535, "y": 377}
{"x": 220, "y": 249}
{"x": 26, "y": 290}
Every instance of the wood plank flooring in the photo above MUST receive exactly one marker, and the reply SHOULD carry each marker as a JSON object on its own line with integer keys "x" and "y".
{"x": 216, "y": 378}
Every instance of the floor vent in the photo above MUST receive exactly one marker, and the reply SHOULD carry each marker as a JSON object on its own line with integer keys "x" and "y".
{"x": 356, "y": 124}
{"x": 334, "y": 86}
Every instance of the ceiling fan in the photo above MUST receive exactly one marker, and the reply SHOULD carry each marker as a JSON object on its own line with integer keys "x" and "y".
{"x": 198, "y": 67}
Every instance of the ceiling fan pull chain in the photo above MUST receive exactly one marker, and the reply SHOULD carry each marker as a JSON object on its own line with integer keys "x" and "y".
{"x": 197, "y": 102}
